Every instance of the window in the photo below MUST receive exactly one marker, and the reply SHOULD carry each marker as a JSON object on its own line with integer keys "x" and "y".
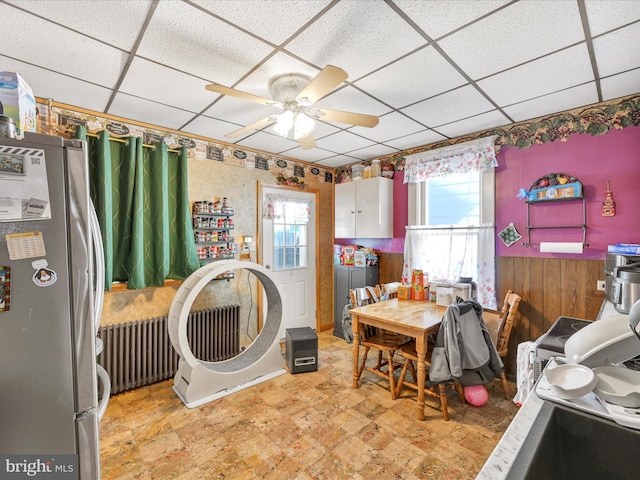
{"x": 451, "y": 217}
{"x": 290, "y": 242}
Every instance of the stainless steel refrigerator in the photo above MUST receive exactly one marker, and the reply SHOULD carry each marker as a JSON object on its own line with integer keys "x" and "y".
{"x": 50, "y": 302}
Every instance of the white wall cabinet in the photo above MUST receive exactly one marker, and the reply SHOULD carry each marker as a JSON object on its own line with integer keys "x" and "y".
{"x": 364, "y": 208}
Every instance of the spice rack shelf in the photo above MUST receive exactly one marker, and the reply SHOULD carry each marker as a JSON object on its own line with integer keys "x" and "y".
{"x": 212, "y": 227}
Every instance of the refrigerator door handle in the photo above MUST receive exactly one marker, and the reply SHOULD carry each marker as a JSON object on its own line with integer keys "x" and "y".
{"x": 106, "y": 390}
{"x": 98, "y": 249}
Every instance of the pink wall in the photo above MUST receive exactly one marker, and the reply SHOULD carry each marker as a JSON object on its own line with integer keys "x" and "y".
{"x": 593, "y": 160}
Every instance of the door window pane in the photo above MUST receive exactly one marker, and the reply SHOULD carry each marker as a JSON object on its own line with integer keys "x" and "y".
{"x": 290, "y": 235}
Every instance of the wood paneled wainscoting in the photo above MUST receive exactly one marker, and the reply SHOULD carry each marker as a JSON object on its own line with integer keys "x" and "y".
{"x": 549, "y": 287}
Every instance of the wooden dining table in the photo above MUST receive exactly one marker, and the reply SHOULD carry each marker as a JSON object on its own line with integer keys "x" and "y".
{"x": 413, "y": 318}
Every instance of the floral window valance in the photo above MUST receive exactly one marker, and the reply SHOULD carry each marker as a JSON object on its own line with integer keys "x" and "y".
{"x": 475, "y": 155}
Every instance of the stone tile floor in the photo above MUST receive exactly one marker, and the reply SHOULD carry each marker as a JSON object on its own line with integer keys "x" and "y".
{"x": 306, "y": 426}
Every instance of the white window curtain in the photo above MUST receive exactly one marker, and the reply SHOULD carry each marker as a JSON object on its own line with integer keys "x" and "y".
{"x": 475, "y": 155}
{"x": 448, "y": 252}
{"x": 280, "y": 206}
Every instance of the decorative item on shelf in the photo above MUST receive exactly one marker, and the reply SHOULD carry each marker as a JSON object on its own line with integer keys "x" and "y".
{"x": 554, "y": 186}
{"x": 608, "y": 206}
{"x": 291, "y": 181}
{"x": 388, "y": 170}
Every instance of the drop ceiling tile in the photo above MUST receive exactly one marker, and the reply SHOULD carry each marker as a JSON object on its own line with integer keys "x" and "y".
{"x": 350, "y": 99}
{"x": 373, "y": 151}
{"x": 47, "y": 84}
{"x": 343, "y": 142}
{"x": 438, "y": 17}
{"x": 116, "y": 22}
{"x": 421, "y": 75}
{"x": 608, "y": 47}
{"x": 621, "y": 85}
{"x": 312, "y": 155}
{"x": 561, "y": 70}
{"x": 419, "y": 139}
{"x": 337, "y": 161}
{"x": 267, "y": 142}
{"x": 211, "y": 128}
{"x": 200, "y": 44}
{"x": 460, "y": 103}
{"x": 235, "y": 110}
{"x": 392, "y": 125}
{"x": 146, "y": 111}
{"x": 91, "y": 60}
{"x": 479, "y": 123}
{"x": 605, "y": 15}
{"x": 168, "y": 86}
{"x": 272, "y": 20}
{"x": 350, "y": 34}
{"x": 526, "y": 31}
{"x": 553, "y": 103}
{"x": 322, "y": 129}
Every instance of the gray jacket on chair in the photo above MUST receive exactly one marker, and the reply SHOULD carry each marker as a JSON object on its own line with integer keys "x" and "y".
{"x": 464, "y": 350}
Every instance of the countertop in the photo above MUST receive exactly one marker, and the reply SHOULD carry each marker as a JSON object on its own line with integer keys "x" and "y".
{"x": 499, "y": 462}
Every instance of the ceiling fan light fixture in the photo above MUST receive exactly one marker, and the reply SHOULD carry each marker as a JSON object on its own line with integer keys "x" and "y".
{"x": 284, "y": 123}
{"x": 302, "y": 126}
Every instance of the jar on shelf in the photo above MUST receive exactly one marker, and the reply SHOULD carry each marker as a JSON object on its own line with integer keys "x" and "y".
{"x": 376, "y": 169}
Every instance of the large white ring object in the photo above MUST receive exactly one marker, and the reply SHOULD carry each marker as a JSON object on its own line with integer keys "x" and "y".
{"x": 198, "y": 382}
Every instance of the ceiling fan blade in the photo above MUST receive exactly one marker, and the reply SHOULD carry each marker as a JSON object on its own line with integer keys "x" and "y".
{"x": 254, "y": 126}
{"x": 215, "y": 87}
{"x": 328, "y": 79}
{"x": 359, "y": 119}
{"x": 307, "y": 143}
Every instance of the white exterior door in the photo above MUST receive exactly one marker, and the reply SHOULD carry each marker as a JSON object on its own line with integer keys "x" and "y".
{"x": 288, "y": 250}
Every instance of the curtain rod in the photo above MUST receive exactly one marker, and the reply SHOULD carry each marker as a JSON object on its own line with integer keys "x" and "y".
{"x": 424, "y": 227}
{"x": 122, "y": 140}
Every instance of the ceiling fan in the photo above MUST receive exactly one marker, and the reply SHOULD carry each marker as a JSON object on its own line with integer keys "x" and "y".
{"x": 295, "y": 94}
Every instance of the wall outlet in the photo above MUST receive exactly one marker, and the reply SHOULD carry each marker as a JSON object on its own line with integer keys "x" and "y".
{"x": 600, "y": 286}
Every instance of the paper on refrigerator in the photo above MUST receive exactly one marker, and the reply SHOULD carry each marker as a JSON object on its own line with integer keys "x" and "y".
{"x": 24, "y": 190}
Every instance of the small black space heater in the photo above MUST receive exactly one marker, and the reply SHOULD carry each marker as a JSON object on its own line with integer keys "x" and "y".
{"x": 301, "y": 350}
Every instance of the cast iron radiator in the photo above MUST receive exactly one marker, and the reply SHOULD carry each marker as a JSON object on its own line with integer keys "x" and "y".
{"x": 140, "y": 352}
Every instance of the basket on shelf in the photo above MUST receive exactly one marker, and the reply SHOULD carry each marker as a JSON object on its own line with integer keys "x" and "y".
{"x": 555, "y": 186}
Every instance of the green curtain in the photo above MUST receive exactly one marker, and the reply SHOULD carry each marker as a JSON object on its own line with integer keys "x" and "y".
{"x": 141, "y": 197}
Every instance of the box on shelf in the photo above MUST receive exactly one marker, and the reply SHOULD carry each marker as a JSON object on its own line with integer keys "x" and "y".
{"x": 348, "y": 254}
{"x": 360, "y": 258}
{"x": 624, "y": 248}
{"x": 337, "y": 254}
{"x": 556, "y": 192}
{"x": 18, "y": 102}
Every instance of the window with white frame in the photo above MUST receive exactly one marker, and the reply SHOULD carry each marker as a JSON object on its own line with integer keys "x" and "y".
{"x": 451, "y": 223}
{"x": 290, "y": 226}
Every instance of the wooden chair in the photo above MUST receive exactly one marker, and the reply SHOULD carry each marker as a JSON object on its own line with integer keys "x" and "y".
{"x": 439, "y": 391}
{"x": 377, "y": 339}
{"x": 499, "y": 324}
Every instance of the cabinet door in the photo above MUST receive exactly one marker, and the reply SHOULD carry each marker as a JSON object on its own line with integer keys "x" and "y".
{"x": 340, "y": 296}
{"x": 363, "y": 277}
{"x": 344, "y": 207}
{"x": 374, "y": 208}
